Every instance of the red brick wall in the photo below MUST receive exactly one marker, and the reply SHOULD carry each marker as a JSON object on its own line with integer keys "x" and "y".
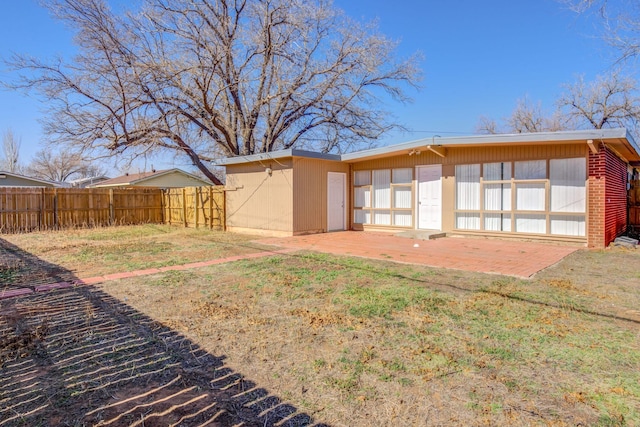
{"x": 616, "y": 194}
{"x": 607, "y": 197}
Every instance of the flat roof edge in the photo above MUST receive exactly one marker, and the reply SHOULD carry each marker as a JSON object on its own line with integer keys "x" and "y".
{"x": 509, "y": 138}
{"x": 292, "y": 152}
{"x": 452, "y": 141}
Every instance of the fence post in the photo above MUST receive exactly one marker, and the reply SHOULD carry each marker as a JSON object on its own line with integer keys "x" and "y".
{"x": 184, "y": 207}
{"x": 169, "y": 193}
{"x": 210, "y": 208}
{"x": 90, "y": 217}
{"x": 112, "y": 218}
{"x": 41, "y": 210}
{"x": 162, "y": 206}
{"x": 223, "y": 214}
{"x": 55, "y": 209}
{"x": 195, "y": 204}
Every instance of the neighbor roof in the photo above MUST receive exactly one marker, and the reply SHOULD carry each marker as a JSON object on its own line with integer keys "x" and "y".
{"x": 28, "y": 178}
{"x": 90, "y": 179}
{"x": 137, "y": 178}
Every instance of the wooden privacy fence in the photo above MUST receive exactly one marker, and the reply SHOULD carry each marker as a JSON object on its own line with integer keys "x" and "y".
{"x": 195, "y": 207}
{"x": 24, "y": 209}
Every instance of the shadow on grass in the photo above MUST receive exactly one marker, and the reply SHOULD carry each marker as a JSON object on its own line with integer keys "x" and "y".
{"x": 78, "y": 356}
{"x": 20, "y": 269}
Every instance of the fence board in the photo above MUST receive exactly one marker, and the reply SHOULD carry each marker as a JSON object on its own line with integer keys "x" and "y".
{"x": 195, "y": 207}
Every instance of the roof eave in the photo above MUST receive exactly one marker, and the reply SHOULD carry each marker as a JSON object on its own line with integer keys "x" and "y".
{"x": 34, "y": 180}
{"x": 281, "y": 154}
{"x": 494, "y": 140}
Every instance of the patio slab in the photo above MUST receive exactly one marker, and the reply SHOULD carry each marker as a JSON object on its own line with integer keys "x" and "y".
{"x": 508, "y": 257}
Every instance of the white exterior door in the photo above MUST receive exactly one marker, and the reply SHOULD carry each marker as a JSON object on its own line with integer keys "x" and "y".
{"x": 429, "y": 197}
{"x": 336, "y": 197}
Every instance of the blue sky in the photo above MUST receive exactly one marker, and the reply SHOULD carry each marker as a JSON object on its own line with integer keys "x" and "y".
{"x": 479, "y": 58}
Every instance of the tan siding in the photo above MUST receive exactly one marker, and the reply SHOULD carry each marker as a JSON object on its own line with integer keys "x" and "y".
{"x": 465, "y": 155}
{"x": 257, "y": 200}
{"x": 310, "y": 190}
{"x": 448, "y": 196}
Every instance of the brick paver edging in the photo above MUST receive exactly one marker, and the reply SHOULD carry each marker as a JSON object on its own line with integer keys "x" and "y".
{"x": 12, "y": 293}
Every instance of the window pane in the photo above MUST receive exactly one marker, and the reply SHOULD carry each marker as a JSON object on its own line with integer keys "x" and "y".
{"x": 497, "y": 222}
{"x": 362, "y": 196}
{"x": 402, "y": 176}
{"x": 468, "y": 187}
{"x": 382, "y": 188}
{"x": 497, "y": 197}
{"x": 530, "y": 197}
{"x": 573, "y": 225}
{"x": 402, "y": 219}
{"x": 362, "y": 216}
{"x": 402, "y": 197}
{"x": 531, "y": 224}
{"x": 467, "y": 221}
{"x": 568, "y": 185}
{"x": 382, "y": 218}
{"x": 534, "y": 169}
{"x": 362, "y": 178}
{"x": 497, "y": 171}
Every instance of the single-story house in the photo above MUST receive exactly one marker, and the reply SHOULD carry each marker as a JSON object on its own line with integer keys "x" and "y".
{"x": 170, "y": 178}
{"x": 9, "y": 179}
{"x": 565, "y": 186}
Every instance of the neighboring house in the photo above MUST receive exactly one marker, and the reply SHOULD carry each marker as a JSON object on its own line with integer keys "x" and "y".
{"x": 87, "y": 182}
{"x": 9, "y": 179}
{"x": 564, "y": 186}
{"x": 171, "y": 178}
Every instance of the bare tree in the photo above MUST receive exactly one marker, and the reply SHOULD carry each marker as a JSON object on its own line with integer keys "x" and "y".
{"x": 487, "y": 125}
{"x": 216, "y": 78}
{"x": 621, "y": 22}
{"x": 11, "y": 152}
{"x": 525, "y": 118}
{"x": 61, "y": 166}
{"x": 609, "y": 101}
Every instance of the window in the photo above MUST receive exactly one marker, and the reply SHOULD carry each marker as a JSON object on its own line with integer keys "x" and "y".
{"x": 468, "y": 196}
{"x": 497, "y": 196}
{"x": 568, "y": 189}
{"x": 536, "y": 196}
{"x": 568, "y": 196}
{"x": 383, "y": 197}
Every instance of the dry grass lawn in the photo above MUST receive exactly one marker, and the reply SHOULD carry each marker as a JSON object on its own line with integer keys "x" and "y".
{"x": 355, "y": 342}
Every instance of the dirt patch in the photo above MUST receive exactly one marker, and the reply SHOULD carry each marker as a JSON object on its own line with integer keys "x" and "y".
{"x": 24, "y": 339}
{"x": 214, "y": 311}
{"x": 321, "y": 319}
